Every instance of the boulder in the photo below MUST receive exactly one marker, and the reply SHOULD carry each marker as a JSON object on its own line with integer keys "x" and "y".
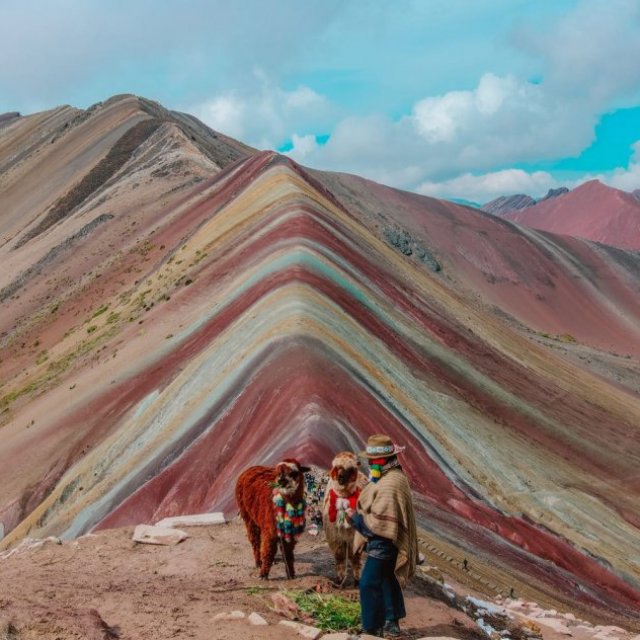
{"x": 559, "y": 626}
{"x": 195, "y": 520}
{"x": 148, "y": 534}
{"x": 304, "y": 630}
{"x": 232, "y": 615}
{"x": 256, "y": 619}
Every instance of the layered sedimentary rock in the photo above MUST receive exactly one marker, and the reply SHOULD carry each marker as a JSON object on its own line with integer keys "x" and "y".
{"x": 176, "y": 307}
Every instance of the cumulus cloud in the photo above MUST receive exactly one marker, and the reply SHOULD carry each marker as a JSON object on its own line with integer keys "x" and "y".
{"x": 442, "y": 118}
{"x": 501, "y": 121}
{"x": 224, "y": 113}
{"x": 483, "y": 188}
{"x": 341, "y": 68}
{"x": 302, "y": 146}
{"x": 625, "y": 178}
{"x": 57, "y": 51}
{"x": 450, "y": 144}
{"x": 265, "y": 115}
{"x": 592, "y": 52}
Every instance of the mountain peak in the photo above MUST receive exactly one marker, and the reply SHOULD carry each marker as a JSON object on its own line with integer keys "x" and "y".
{"x": 190, "y": 307}
{"x": 593, "y": 210}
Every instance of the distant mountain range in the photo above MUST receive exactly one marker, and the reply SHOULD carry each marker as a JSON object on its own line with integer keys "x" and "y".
{"x": 593, "y": 211}
{"x": 506, "y": 204}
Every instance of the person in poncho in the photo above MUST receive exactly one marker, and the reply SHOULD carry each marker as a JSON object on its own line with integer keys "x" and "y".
{"x": 384, "y": 520}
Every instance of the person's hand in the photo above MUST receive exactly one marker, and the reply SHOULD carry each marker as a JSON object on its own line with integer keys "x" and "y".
{"x": 349, "y": 513}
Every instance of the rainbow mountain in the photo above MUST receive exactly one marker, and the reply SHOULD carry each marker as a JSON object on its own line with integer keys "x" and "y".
{"x": 176, "y": 306}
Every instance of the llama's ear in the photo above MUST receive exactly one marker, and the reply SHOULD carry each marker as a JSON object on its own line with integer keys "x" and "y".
{"x": 305, "y": 469}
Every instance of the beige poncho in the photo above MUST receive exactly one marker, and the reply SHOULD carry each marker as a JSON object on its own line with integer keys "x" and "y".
{"x": 387, "y": 509}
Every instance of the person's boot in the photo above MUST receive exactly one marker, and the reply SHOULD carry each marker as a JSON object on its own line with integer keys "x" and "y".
{"x": 392, "y": 629}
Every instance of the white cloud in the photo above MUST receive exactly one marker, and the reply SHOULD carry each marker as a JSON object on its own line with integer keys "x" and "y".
{"x": 302, "y": 146}
{"x": 483, "y": 188}
{"x": 439, "y": 119}
{"x": 592, "y": 52}
{"x": 61, "y": 51}
{"x": 451, "y": 143}
{"x": 501, "y": 121}
{"x": 224, "y": 113}
{"x": 265, "y": 115}
{"x": 303, "y": 97}
{"x": 625, "y": 178}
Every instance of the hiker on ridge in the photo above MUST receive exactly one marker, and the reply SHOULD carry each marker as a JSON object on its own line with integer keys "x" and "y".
{"x": 385, "y": 522}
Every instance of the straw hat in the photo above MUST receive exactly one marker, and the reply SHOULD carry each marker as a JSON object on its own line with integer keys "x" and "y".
{"x": 380, "y": 446}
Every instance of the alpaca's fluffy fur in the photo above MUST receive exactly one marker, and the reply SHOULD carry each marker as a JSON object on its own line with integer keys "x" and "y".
{"x": 254, "y": 494}
{"x": 344, "y": 478}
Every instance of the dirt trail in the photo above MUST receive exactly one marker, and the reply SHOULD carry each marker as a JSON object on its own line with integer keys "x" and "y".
{"x": 161, "y": 592}
{"x": 104, "y": 586}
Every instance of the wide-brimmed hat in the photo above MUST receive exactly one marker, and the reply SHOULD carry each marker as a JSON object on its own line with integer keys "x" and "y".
{"x": 380, "y": 446}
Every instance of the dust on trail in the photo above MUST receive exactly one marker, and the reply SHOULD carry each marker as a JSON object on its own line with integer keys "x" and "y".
{"x": 84, "y": 588}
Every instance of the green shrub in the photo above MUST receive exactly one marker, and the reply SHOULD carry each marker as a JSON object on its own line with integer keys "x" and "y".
{"x": 101, "y": 309}
{"x": 331, "y": 613}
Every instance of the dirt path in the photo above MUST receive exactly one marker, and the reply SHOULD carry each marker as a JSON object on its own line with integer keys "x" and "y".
{"x": 74, "y": 589}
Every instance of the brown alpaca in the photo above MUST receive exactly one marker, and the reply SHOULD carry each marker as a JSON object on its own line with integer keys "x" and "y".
{"x": 254, "y": 494}
{"x": 345, "y": 482}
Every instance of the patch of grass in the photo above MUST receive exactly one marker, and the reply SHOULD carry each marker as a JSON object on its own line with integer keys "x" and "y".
{"x": 100, "y": 310}
{"x": 114, "y": 316}
{"x": 92, "y": 328}
{"x": 255, "y": 591}
{"x": 567, "y": 338}
{"x": 331, "y": 613}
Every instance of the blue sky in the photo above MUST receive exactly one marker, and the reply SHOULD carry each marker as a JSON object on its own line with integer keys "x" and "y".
{"x": 454, "y": 98}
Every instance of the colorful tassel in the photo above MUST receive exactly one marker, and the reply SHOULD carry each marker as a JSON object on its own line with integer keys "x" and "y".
{"x": 290, "y": 519}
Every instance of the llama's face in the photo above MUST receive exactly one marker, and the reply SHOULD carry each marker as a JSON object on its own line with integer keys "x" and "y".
{"x": 344, "y": 469}
{"x": 289, "y": 477}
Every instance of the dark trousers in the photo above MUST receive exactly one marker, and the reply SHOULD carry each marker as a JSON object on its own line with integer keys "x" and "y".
{"x": 380, "y": 594}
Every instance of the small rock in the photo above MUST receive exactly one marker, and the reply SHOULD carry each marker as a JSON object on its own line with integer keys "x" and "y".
{"x": 431, "y": 572}
{"x": 530, "y": 628}
{"x": 557, "y": 625}
{"x": 313, "y": 633}
{"x": 608, "y": 632}
{"x": 8, "y": 629}
{"x": 149, "y": 534}
{"x": 430, "y": 637}
{"x": 195, "y": 520}
{"x": 233, "y": 615}
{"x": 338, "y": 636}
{"x": 256, "y": 619}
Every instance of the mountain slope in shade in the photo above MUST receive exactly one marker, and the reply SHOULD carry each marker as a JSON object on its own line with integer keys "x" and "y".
{"x": 505, "y": 204}
{"x": 176, "y": 307}
{"x": 593, "y": 211}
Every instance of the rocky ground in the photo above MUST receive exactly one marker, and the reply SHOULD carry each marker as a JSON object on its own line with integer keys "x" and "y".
{"x": 107, "y": 586}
